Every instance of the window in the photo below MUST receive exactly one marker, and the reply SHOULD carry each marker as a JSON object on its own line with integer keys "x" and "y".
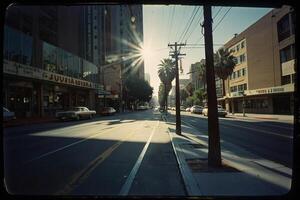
{"x": 283, "y": 28}
{"x": 233, "y": 75}
{"x": 243, "y": 72}
{"x": 237, "y": 47}
{"x": 242, "y": 58}
{"x": 238, "y": 73}
{"x": 242, "y": 45}
{"x": 287, "y": 53}
{"x": 285, "y": 80}
{"x": 17, "y": 46}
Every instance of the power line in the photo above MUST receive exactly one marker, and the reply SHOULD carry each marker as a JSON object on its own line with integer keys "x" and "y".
{"x": 217, "y": 13}
{"x": 198, "y": 22}
{"x": 190, "y": 23}
{"x": 217, "y": 24}
{"x": 222, "y": 19}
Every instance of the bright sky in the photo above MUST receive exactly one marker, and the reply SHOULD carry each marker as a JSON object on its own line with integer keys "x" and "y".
{"x": 166, "y": 24}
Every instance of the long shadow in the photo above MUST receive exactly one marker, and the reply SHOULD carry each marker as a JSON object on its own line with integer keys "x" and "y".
{"x": 52, "y": 173}
{"x": 273, "y": 147}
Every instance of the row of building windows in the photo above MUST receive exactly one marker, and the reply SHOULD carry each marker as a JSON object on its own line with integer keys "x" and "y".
{"x": 240, "y": 59}
{"x": 238, "y": 47}
{"x": 238, "y": 88}
{"x": 238, "y": 73}
{"x": 18, "y": 47}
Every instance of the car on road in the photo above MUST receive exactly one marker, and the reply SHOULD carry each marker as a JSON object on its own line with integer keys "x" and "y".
{"x": 8, "y": 115}
{"x": 107, "y": 111}
{"x": 188, "y": 109}
{"x": 221, "y": 111}
{"x": 141, "y": 107}
{"x": 196, "y": 109}
{"x": 76, "y": 113}
{"x": 182, "y": 108}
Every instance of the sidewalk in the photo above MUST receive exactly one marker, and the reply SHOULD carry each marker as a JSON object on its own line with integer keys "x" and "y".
{"x": 246, "y": 174}
{"x": 283, "y": 118}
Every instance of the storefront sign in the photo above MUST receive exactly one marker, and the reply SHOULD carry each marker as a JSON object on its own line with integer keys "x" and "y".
{"x": 288, "y": 68}
{"x": 32, "y": 72}
{"x": 272, "y": 90}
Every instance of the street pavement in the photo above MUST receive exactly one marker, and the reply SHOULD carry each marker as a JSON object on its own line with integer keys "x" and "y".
{"x": 116, "y": 155}
{"x": 136, "y": 154}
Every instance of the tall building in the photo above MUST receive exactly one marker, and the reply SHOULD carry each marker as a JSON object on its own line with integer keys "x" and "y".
{"x": 43, "y": 65}
{"x": 264, "y": 76}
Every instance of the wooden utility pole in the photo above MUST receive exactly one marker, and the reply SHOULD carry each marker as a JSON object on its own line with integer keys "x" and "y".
{"x": 175, "y": 55}
{"x": 214, "y": 150}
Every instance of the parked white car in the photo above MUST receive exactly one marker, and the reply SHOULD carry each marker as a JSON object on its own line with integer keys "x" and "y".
{"x": 221, "y": 111}
{"x": 76, "y": 113}
{"x": 196, "y": 109}
{"x": 8, "y": 115}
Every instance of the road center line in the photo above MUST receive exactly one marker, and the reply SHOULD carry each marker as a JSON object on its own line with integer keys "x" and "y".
{"x": 127, "y": 185}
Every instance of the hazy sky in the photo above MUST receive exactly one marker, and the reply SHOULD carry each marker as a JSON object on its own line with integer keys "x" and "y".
{"x": 166, "y": 24}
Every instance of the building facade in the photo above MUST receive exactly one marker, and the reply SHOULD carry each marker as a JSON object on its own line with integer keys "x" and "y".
{"x": 43, "y": 69}
{"x": 264, "y": 76}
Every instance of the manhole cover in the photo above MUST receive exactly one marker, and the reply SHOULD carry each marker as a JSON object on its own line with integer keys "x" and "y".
{"x": 201, "y": 165}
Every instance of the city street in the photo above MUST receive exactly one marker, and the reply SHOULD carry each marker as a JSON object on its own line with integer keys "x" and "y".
{"x": 116, "y": 155}
{"x": 125, "y": 154}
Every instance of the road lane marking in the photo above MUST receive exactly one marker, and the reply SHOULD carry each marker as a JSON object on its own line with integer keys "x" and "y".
{"x": 67, "y": 146}
{"x": 78, "y": 178}
{"x": 258, "y": 130}
{"x": 127, "y": 185}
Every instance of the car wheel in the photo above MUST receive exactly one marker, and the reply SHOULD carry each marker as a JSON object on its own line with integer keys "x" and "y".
{"x": 91, "y": 116}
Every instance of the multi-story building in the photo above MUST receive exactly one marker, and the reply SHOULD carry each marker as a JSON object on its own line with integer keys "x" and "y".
{"x": 264, "y": 75}
{"x": 43, "y": 66}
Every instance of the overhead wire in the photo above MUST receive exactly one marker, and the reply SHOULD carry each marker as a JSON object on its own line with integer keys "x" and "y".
{"x": 187, "y": 24}
{"x": 186, "y": 31}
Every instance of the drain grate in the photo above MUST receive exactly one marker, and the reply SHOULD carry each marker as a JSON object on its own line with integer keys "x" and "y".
{"x": 201, "y": 165}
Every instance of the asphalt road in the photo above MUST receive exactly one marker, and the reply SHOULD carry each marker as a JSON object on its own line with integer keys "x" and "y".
{"x": 124, "y": 154}
{"x": 272, "y": 140}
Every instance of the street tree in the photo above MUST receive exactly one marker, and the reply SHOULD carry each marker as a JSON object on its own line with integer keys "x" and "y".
{"x": 161, "y": 95}
{"x": 138, "y": 90}
{"x": 224, "y": 64}
{"x": 166, "y": 74}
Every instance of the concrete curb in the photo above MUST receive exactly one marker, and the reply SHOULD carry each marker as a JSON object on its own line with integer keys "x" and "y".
{"x": 250, "y": 167}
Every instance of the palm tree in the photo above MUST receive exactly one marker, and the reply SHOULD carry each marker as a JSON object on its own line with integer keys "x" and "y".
{"x": 224, "y": 64}
{"x": 166, "y": 74}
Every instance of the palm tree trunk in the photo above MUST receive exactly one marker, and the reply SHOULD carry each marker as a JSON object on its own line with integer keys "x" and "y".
{"x": 166, "y": 98}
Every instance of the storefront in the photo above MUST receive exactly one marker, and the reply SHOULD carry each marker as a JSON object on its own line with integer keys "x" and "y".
{"x": 272, "y": 100}
{"x": 32, "y": 92}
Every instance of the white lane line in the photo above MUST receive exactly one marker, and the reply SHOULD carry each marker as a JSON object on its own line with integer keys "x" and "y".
{"x": 127, "y": 185}
{"x": 67, "y": 146}
{"x": 258, "y": 130}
